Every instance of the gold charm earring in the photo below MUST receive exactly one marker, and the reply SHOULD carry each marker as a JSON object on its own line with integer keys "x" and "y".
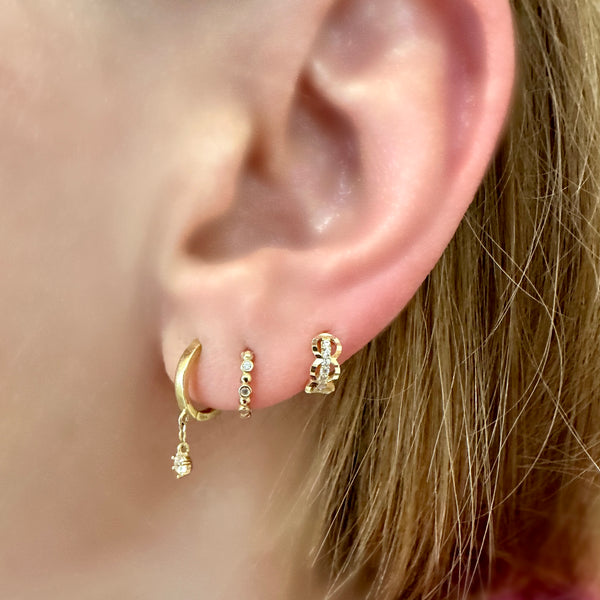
{"x": 325, "y": 369}
{"x": 245, "y": 391}
{"x": 182, "y": 463}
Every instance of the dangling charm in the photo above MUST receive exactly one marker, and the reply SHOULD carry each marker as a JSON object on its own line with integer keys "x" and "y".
{"x": 245, "y": 390}
{"x": 182, "y": 463}
{"x": 325, "y": 369}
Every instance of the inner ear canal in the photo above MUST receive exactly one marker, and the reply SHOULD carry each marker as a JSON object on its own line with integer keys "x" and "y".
{"x": 313, "y": 198}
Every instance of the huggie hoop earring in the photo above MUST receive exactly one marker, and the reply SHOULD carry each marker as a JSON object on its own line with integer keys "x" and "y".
{"x": 245, "y": 391}
{"x": 182, "y": 463}
{"x": 325, "y": 369}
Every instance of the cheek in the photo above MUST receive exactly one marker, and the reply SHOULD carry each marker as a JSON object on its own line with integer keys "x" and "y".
{"x": 57, "y": 105}
{"x": 55, "y": 160}
{"x": 51, "y": 115}
{"x": 67, "y": 150}
{"x": 72, "y": 127}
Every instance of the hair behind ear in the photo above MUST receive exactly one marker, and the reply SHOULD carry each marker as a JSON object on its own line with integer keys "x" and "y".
{"x": 461, "y": 449}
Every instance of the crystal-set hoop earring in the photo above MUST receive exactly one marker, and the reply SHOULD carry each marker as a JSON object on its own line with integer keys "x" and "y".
{"x": 325, "y": 369}
{"x": 182, "y": 462}
{"x": 245, "y": 391}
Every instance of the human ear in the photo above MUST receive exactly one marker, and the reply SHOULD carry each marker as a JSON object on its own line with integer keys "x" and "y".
{"x": 333, "y": 184}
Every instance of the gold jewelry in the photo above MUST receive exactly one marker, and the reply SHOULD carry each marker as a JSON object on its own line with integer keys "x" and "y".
{"x": 245, "y": 391}
{"x": 182, "y": 463}
{"x": 325, "y": 369}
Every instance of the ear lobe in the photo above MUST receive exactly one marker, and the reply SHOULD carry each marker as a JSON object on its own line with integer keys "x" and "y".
{"x": 396, "y": 114}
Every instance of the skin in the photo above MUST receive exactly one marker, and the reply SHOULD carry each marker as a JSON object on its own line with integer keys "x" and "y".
{"x": 126, "y": 129}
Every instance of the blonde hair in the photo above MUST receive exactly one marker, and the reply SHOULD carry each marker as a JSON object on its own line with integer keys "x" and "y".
{"x": 462, "y": 447}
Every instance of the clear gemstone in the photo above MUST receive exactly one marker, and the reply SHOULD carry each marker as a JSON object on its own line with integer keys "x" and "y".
{"x": 324, "y": 371}
{"x": 247, "y": 365}
{"x": 245, "y": 391}
{"x": 182, "y": 464}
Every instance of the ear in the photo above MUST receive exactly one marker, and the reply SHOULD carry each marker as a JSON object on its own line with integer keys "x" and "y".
{"x": 352, "y": 157}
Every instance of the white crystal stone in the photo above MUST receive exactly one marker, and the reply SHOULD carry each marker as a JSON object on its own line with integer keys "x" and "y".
{"x": 324, "y": 371}
{"x": 247, "y": 365}
{"x": 244, "y": 411}
{"x": 182, "y": 464}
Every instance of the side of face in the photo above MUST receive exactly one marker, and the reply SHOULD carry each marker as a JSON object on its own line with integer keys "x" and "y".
{"x": 247, "y": 173}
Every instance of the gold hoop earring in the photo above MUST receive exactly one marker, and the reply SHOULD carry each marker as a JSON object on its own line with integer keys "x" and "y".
{"x": 245, "y": 391}
{"x": 182, "y": 462}
{"x": 325, "y": 368}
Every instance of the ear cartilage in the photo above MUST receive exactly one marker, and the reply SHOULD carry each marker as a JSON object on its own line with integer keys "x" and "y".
{"x": 245, "y": 391}
{"x": 325, "y": 369}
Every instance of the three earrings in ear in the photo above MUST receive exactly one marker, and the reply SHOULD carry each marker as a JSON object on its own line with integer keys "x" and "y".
{"x": 324, "y": 370}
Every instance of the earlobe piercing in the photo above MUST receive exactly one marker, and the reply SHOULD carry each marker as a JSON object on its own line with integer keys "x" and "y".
{"x": 325, "y": 369}
{"x": 182, "y": 462}
{"x": 245, "y": 391}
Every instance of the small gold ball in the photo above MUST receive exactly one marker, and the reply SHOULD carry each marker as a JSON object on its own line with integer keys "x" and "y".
{"x": 245, "y": 412}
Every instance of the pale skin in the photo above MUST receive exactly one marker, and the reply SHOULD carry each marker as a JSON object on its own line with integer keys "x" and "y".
{"x": 136, "y": 137}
